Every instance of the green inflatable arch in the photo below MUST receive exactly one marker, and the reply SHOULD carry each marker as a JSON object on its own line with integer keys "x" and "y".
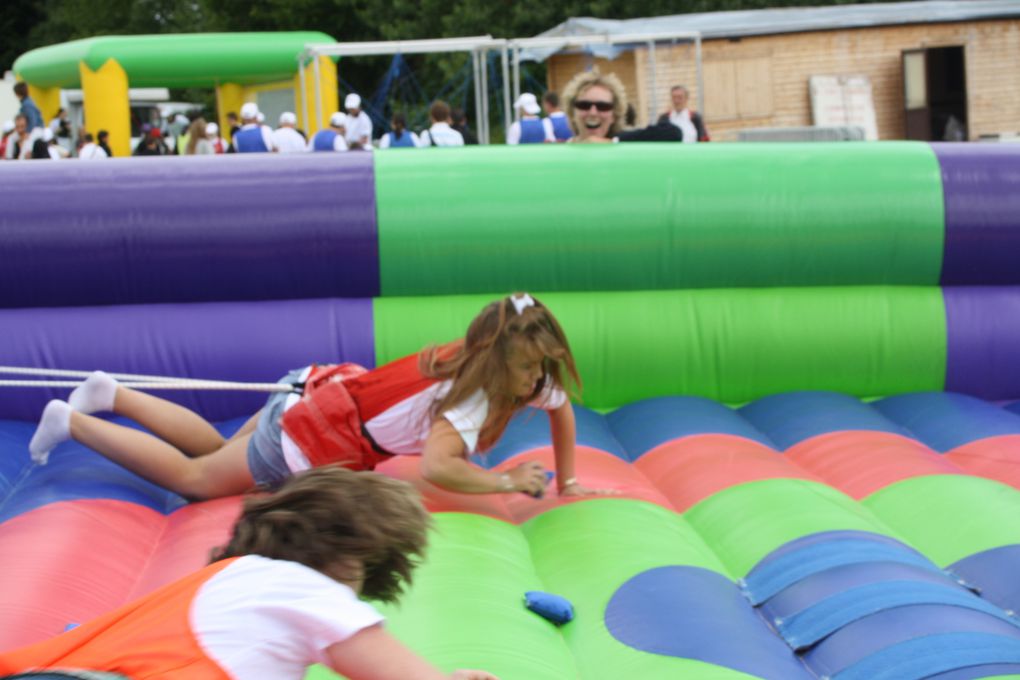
{"x": 236, "y": 64}
{"x": 184, "y": 60}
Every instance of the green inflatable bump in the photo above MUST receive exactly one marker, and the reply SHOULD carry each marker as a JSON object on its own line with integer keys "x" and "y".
{"x": 654, "y": 216}
{"x": 949, "y": 517}
{"x": 465, "y": 607}
{"x": 730, "y": 345}
{"x": 585, "y": 551}
{"x": 744, "y": 523}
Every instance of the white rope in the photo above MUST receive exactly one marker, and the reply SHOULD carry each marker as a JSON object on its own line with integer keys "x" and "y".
{"x": 124, "y": 377}
{"x": 134, "y": 381}
{"x": 162, "y": 385}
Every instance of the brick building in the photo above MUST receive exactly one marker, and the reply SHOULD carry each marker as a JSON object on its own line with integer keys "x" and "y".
{"x": 959, "y": 59}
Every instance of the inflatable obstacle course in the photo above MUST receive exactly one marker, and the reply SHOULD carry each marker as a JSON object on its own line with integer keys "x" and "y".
{"x": 793, "y": 355}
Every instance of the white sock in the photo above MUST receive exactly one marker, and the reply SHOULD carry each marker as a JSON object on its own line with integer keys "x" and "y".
{"x": 54, "y": 428}
{"x": 95, "y": 394}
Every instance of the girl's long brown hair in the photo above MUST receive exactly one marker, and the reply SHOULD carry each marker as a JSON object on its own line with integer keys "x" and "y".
{"x": 481, "y": 362}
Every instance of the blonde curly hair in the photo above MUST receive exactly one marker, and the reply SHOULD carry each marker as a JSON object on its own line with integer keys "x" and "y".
{"x": 585, "y": 80}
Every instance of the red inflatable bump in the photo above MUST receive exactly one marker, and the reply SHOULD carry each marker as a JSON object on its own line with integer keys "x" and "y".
{"x": 690, "y": 469}
{"x": 994, "y": 457}
{"x": 859, "y": 462}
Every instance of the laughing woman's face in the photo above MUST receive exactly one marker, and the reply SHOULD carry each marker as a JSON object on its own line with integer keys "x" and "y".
{"x": 593, "y": 113}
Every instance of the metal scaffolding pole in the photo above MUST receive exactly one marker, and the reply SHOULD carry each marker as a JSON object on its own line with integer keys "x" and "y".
{"x": 517, "y": 73}
{"x": 484, "y": 138}
{"x": 304, "y": 92}
{"x": 701, "y": 79}
{"x": 655, "y": 84}
{"x": 478, "y": 91}
{"x": 318, "y": 91}
{"x": 507, "y": 101}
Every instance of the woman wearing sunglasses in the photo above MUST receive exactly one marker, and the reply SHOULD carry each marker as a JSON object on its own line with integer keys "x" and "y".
{"x": 596, "y": 105}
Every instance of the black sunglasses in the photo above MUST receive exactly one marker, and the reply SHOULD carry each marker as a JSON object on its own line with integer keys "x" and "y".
{"x": 585, "y": 105}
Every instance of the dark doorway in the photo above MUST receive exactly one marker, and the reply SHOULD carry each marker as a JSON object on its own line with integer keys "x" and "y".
{"x": 935, "y": 94}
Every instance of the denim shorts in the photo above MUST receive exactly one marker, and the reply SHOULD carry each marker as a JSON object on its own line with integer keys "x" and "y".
{"x": 265, "y": 448}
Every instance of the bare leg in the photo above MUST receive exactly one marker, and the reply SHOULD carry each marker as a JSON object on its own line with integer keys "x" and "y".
{"x": 187, "y": 431}
{"x": 247, "y": 428}
{"x": 223, "y": 472}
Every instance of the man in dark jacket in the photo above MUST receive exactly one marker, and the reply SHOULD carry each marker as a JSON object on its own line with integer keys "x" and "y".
{"x": 691, "y": 124}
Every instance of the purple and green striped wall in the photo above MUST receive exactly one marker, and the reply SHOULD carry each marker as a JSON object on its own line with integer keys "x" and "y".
{"x": 486, "y": 220}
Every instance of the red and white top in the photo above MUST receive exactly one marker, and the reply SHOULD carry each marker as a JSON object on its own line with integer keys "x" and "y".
{"x": 398, "y": 419}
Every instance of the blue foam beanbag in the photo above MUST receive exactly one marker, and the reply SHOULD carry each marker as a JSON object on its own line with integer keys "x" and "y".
{"x": 552, "y": 607}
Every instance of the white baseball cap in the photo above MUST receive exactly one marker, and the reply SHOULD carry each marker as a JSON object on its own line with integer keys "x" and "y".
{"x": 529, "y": 103}
{"x": 250, "y": 111}
{"x": 338, "y": 119}
{"x": 353, "y": 101}
{"x": 212, "y": 129}
{"x": 288, "y": 118}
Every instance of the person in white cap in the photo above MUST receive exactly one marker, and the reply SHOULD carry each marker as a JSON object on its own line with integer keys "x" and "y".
{"x": 286, "y": 138}
{"x": 529, "y": 128}
{"x": 212, "y": 133}
{"x": 56, "y": 151}
{"x": 252, "y": 137}
{"x": 331, "y": 138}
{"x": 359, "y": 125}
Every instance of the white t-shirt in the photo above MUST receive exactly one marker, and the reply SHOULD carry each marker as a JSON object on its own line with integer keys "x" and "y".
{"x": 91, "y": 151}
{"x": 289, "y": 140}
{"x": 403, "y": 428}
{"x": 359, "y": 126}
{"x": 262, "y": 618}
{"x": 443, "y": 134}
{"x": 682, "y": 119}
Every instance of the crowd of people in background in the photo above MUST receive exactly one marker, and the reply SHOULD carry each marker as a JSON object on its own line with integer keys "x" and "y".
{"x": 596, "y": 110}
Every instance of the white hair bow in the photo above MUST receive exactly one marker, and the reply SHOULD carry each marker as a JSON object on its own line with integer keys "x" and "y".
{"x": 522, "y": 301}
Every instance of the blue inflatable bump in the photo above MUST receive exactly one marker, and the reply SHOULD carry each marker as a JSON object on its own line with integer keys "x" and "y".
{"x": 944, "y": 421}
{"x": 529, "y": 430}
{"x": 976, "y": 672}
{"x": 819, "y": 587}
{"x": 643, "y": 425}
{"x": 824, "y": 537}
{"x": 75, "y": 472}
{"x": 924, "y": 657}
{"x": 807, "y": 627}
{"x": 762, "y": 584}
{"x": 869, "y": 635}
{"x": 698, "y": 614}
{"x": 994, "y": 572}
{"x": 789, "y": 419}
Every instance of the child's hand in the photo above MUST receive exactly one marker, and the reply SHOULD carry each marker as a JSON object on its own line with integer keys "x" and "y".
{"x": 529, "y": 477}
